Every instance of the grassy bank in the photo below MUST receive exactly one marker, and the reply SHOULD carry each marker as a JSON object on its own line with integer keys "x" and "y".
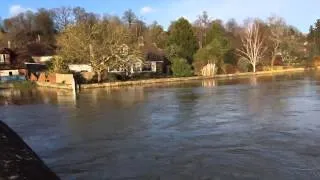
{"x": 18, "y": 85}
{"x": 169, "y": 80}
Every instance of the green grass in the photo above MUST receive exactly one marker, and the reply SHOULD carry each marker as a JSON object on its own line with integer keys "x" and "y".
{"x": 23, "y": 85}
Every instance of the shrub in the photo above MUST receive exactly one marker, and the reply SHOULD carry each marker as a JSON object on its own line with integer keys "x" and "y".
{"x": 181, "y": 68}
{"x": 58, "y": 65}
{"x": 243, "y": 65}
{"x": 316, "y": 61}
{"x": 147, "y": 75}
{"x": 112, "y": 77}
{"x": 259, "y": 67}
{"x": 229, "y": 69}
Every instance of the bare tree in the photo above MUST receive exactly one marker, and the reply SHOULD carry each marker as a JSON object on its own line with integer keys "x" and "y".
{"x": 102, "y": 45}
{"x": 63, "y": 17}
{"x": 201, "y": 28}
{"x": 129, "y": 17}
{"x": 278, "y": 28}
{"x": 253, "y": 47}
{"x": 126, "y": 58}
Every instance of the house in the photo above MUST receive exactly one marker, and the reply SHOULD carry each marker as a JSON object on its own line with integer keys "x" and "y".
{"x": 135, "y": 68}
{"x": 10, "y": 69}
{"x": 80, "y": 68}
{"x": 155, "y": 62}
{"x": 40, "y": 53}
{"x": 7, "y": 56}
{"x": 138, "y": 67}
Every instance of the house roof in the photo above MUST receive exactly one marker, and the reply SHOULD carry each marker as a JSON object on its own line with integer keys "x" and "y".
{"x": 11, "y": 67}
{"x": 6, "y": 51}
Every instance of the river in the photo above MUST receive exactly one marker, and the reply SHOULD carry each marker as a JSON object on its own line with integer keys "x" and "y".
{"x": 248, "y": 128}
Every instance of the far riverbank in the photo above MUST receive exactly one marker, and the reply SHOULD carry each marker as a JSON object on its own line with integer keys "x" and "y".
{"x": 187, "y": 79}
{"x": 169, "y": 80}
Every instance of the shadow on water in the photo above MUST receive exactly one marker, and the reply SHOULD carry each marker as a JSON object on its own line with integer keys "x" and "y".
{"x": 263, "y": 127}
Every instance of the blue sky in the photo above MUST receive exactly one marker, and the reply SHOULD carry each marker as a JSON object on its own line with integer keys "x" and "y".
{"x": 300, "y": 13}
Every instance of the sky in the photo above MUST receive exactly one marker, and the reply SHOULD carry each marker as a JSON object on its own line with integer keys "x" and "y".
{"x": 299, "y": 13}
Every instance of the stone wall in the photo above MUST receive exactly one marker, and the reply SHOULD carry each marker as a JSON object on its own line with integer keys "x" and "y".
{"x": 164, "y": 80}
{"x": 64, "y": 78}
{"x": 53, "y": 78}
{"x": 43, "y": 77}
{"x": 23, "y": 72}
{"x": 54, "y": 85}
{"x": 64, "y": 81}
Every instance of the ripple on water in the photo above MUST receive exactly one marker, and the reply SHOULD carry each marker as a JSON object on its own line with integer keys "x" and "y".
{"x": 260, "y": 128}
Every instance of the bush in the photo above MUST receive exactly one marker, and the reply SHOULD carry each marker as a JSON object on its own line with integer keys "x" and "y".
{"x": 316, "y": 61}
{"x": 259, "y": 67}
{"x": 113, "y": 77}
{"x": 229, "y": 69}
{"x": 147, "y": 75}
{"x": 181, "y": 68}
{"x": 243, "y": 65}
{"x": 230, "y": 57}
{"x": 58, "y": 65}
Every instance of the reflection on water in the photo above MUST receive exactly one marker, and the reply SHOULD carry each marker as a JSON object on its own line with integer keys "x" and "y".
{"x": 264, "y": 127}
{"x": 35, "y": 96}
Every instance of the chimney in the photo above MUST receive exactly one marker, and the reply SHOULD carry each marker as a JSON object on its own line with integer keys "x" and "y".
{"x": 39, "y": 38}
{"x": 9, "y": 44}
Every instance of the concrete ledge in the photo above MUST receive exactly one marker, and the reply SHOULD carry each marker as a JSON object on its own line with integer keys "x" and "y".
{"x": 165, "y": 80}
{"x": 262, "y": 73}
{"x": 54, "y": 85}
{"x": 182, "y": 79}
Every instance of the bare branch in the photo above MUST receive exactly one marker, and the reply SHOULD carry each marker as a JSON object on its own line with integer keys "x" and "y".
{"x": 253, "y": 47}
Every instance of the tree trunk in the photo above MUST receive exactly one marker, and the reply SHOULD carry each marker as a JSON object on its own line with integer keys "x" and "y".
{"x": 99, "y": 76}
{"x": 200, "y": 44}
{"x": 272, "y": 62}
{"x": 254, "y": 67}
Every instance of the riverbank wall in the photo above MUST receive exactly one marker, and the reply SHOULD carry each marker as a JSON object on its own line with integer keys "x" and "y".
{"x": 186, "y": 79}
{"x": 54, "y": 85}
{"x": 168, "y": 80}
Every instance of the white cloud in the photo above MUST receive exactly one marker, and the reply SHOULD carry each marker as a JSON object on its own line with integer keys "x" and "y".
{"x": 146, "y": 10}
{"x": 17, "y": 9}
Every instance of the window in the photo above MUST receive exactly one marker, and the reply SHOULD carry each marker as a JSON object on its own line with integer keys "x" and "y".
{"x": 2, "y": 58}
{"x": 10, "y": 73}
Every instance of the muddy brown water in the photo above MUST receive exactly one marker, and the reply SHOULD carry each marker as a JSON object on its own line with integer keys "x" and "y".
{"x": 248, "y": 128}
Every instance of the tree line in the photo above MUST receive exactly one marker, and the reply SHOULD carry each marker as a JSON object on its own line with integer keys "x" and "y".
{"x": 105, "y": 41}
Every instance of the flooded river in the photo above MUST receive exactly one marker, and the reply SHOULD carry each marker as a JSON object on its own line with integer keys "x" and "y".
{"x": 249, "y": 128}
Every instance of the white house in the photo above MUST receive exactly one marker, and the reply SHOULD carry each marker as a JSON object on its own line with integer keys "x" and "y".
{"x": 80, "y": 68}
{"x": 42, "y": 59}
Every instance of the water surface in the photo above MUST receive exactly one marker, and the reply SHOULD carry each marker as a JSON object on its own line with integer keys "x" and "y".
{"x": 249, "y": 128}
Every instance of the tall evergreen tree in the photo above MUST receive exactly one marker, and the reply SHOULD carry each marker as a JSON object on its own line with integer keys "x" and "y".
{"x": 216, "y": 31}
{"x": 181, "y": 35}
{"x": 314, "y": 39}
